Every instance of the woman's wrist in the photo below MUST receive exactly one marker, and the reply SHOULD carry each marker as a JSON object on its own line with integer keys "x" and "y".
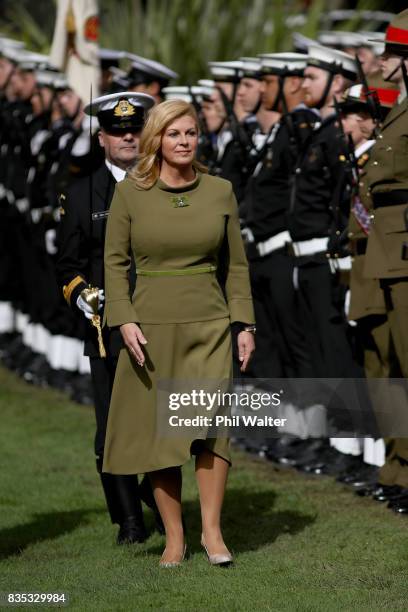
{"x": 240, "y": 326}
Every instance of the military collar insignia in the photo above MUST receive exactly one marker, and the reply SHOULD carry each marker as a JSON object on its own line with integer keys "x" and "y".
{"x": 179, "y": 201}
{"x": 363, "y": 159}
{"x": 124, "y": 109}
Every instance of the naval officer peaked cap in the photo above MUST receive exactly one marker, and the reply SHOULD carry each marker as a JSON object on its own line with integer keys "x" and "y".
{"x": 332, "y": 60}
{"x": 396, "y": 35}
{"x": 120, "y": 111}
{"x": 283, "y": 64}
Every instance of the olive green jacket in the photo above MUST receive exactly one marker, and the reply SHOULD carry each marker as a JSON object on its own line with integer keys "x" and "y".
{"x": 183, "y": 241}
{"x": 388, "y": 172}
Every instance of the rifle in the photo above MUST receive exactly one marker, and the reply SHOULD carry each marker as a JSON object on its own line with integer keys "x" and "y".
{"x": 239, "y": 135}
{"x": 352, "y": 168}
{"x": 404, "y": 74}
{"x": 371, "y": 95}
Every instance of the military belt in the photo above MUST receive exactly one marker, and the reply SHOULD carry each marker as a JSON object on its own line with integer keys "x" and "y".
{"x": 305, "y": 248}
{"x": 274, "y": 243}
{"x": 181, "y": 272}
{"x": 390, "y": 198}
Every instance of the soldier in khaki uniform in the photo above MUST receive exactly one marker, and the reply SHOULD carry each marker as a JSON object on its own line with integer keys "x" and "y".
{"x": 387, "y": 249}
{"x": 361, "y": 114}
{"x": 367, "y": 304}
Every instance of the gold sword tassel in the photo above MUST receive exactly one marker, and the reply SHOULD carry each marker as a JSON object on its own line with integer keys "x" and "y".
{"x": 91, "y": 296}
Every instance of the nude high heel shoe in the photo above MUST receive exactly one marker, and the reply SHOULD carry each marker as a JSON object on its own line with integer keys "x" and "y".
{"x": 221, "y": 559}
{"x": 174, "y": 563}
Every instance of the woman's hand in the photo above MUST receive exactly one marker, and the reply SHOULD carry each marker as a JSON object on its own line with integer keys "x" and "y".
{"x": 246, "y": 346}
{"x": 133, "y": 337}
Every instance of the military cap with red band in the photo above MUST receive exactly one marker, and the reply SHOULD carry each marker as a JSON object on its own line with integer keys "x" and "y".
{"x": 396, "y": 35}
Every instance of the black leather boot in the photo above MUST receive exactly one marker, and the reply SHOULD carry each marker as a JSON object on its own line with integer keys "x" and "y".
{"x": 124, "y": 505}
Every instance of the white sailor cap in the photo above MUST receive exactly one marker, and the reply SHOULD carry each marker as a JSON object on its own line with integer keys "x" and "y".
{"x": 120, "y": 111}
{"x": 332, "y": 60}
{"x": 226, "y": 72}
{"x": 50, "y": 77}
{"x": 195, "y": 93}
{"x": 209, "y": 83}
{"x": 28, "y": 61}
{"x": 179, "y": 92}
{"x": 12, "y": 53}
{"x": 378, "y": 16}
{"x": 111, "y": 54}
{"x": 9, "y": 44}
{"x": 145, "y": 70}
{"x": 301, "y": 42}
{"x": 120, "y": 81}
{"x": 339, "y": 38}
{"x": 374, "y": 41}
{"x": 340, "y": 15}
{"x": 251, "y": 67}
{"x": 284, "y": 64}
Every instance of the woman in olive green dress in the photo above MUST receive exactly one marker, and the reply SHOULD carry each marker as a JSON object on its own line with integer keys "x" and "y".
{"x": 181, "y": 226}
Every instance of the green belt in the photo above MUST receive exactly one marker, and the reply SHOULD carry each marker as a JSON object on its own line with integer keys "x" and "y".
{"x": 183, "y": 272}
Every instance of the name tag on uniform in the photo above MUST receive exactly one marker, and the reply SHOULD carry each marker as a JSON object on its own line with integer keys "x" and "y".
{"x": 97, "y": 216}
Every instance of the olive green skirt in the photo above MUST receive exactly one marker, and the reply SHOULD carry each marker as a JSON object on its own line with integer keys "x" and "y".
{"x": 135, "y": 441}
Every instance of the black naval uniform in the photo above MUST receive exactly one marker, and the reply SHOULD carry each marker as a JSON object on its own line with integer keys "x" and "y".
{"x": 81, "y": 248}
{"x": 267, "y": 200}
{"x": 317, "y": 210}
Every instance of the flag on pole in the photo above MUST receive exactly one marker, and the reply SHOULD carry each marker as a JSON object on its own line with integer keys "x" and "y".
{"x": 75, "y": 45}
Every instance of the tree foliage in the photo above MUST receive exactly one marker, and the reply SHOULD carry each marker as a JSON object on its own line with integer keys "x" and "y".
{"x": 186, "y": 34}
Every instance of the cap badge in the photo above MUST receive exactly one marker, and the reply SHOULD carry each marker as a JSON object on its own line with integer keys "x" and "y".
{"x": 124, "y": 109}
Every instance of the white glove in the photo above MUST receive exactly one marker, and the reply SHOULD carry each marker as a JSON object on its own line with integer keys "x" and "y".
{"x": 86, "y": 308}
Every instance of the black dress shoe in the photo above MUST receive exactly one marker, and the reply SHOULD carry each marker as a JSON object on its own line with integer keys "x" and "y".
{"x": 304, "y": 452}
{"x": 398, "y": 500}
{"x": 401, "y": 507}
{"x": 280, "y": 447}
{"x": 361, "y": 483}
{"x": 368, "y": 489}
{"x": 131, "y": 532}
{"x": 386, "y": 493}
{"x": 320, "y": 465}
{"x": 358, "y": 472}
{"x": 146, "y": 495}
{"x": 364, "y": 477}
{"x": 375, "y": 489}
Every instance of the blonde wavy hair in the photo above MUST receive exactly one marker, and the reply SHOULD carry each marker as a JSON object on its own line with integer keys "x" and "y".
{"x": 147, "y": 170}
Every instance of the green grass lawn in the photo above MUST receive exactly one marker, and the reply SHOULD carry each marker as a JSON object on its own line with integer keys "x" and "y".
{"x": 300, "y": 543}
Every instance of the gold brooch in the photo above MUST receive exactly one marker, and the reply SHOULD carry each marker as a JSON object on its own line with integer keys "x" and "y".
{"x": 179, "y": 201}
{"x": 124, "y": 109}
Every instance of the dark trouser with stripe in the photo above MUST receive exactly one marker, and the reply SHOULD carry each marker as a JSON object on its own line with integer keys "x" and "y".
{"x": 395, "y": 471}
{"x": 322, "y": 311}
{"x": 277, "y": 276}
{"x": 266, "y": 361}
{"x": 121, "y": 492}
{"x": 322, "y": 314}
